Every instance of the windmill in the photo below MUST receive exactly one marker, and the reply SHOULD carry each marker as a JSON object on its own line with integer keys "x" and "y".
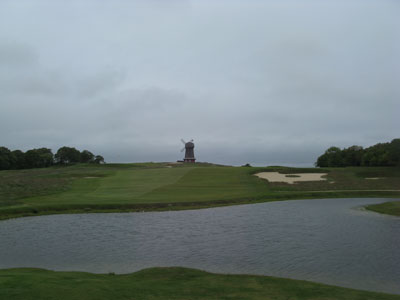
{"x": 189, "y": 152}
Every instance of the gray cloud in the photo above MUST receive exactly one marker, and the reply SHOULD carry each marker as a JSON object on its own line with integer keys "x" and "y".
{"x": 14, "y": 55}
{"x": 256, "y": 81}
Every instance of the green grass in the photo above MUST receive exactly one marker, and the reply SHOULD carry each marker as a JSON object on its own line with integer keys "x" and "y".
{"x": 167, "y": 283}
{"x": 390, "y": 208}
{"x": 163, "y": 186}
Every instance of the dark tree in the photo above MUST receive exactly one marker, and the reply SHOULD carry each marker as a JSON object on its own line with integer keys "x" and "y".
{"x": 46, "y": 157}
{"x": 331, "y": 158}
{"x": 67, "y": 155}
{"x": 334, "y": 157}
{"x": 19, "y": 159}
{"x": 43, "y": 157}
{"x": 382, "y": 154}
{"x": 99, "y": 159}
{"x": 39, "y": 158}
{"x": 87, "y": 156}
{"x": 7, "y": 160}
{"x": 394, "y": 152}
{"x": 32, "y": 158}
{"x": 352, "y": 156}
{"x": 322, "y": 161}
{"x": 377, "y": 155}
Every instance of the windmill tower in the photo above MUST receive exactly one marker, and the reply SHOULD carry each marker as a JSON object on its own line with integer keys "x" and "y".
{"x": 189, "y": 152}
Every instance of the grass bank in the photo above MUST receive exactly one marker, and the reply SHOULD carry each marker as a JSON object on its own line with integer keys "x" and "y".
{"x": 163, "y": 186}
{"x": 390, "y": 208}
{"x": 167, "y": 283}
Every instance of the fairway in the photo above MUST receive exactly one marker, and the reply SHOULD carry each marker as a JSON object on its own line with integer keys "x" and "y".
{"x": 123, "y": 186}
{"x": 161, "y": 186}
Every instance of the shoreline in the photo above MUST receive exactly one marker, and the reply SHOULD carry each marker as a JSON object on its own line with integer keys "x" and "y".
{"x": 31, "y": 211}
{"x": 391, "y": 208}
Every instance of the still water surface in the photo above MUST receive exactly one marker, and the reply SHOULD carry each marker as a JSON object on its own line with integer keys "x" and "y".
{"x": 329, "y": 240}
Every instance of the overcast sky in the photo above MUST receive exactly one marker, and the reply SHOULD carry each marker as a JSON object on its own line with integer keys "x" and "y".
{"x": 264, "y": 82}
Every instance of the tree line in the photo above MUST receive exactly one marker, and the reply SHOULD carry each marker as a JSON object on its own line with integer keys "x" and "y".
{"x": 379, "y": 155}
{"x": 44, "y": 157}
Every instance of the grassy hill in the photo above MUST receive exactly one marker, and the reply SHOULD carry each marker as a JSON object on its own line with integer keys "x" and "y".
{"x": 167, "y": 283}
{"x": 163, "y": 186}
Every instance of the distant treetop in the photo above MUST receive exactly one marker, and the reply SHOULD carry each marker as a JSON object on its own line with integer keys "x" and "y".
{"x": 382, "y": 154}
{"x": 44, "y": 157}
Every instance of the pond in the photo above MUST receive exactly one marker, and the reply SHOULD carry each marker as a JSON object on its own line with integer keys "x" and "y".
{"x": 333, "y": 241}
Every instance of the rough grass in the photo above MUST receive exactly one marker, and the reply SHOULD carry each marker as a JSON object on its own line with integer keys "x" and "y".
{"x": 167, "y": 283}
{"x": 163, "y": 186}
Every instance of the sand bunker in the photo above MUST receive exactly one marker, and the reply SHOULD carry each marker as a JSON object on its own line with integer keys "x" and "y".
{"x": 291, "y": 178}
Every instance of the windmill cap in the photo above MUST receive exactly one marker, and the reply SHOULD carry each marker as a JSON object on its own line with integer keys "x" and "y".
{"x": 189, "y": 145}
